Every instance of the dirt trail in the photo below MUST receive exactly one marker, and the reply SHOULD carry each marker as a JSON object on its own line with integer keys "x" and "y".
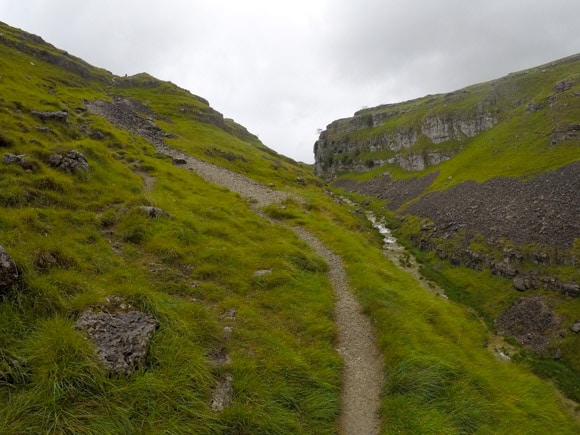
{"x": 362, "y": 377}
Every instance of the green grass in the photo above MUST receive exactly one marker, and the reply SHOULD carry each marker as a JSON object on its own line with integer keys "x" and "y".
{"x": 439, "y": 375}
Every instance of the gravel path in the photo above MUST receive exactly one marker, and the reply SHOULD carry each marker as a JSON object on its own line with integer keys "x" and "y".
{"x": 362, "y": 376}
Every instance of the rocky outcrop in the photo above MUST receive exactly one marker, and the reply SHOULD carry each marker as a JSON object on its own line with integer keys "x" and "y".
{"x": 121, "y": 337}
{"x": 531, "y": 322}
{"x": 60, "y": 116}
{"x": 347, "y": 145}
{"x": 71, "y": 162}
{"x": 9, "y": 275}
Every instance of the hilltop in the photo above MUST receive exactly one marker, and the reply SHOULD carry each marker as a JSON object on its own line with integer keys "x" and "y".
{"x": 162, "y": 270}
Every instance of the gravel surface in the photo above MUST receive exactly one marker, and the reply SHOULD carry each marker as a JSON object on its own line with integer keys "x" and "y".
{"x": 362, "y": 377}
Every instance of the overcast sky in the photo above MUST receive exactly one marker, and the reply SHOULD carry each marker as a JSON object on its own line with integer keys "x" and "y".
{"x": 284, "y": 69}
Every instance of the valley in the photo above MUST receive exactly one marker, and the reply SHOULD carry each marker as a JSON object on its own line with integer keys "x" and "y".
{"x": 163, "y": 271}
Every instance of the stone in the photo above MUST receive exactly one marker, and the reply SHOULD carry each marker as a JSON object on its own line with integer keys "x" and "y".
{"x": 301, "y": 181}
{"x": 179, "y": 161}
{"x": 570, "y": 288}
{"x": 73, "y": 161}
{"x": 122, "y": 338}
{"x": 563, "y": 86}
{"x": 60, "y": 115}
{"x": 12, "y": 159}
{"x": 222, "y": 393}
{"x": 153, "y": 212}
{"x": 531, "y": 322}
{"x": 575, "y": 327}
{"x": 8, "y": 271}
{"x": 262, "y": 272}
{"x": 519, "y": 283}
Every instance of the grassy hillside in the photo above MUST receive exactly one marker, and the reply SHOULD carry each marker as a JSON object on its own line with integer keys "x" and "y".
{"x": 81, "y": 240}
{"x": 529, "y": 108}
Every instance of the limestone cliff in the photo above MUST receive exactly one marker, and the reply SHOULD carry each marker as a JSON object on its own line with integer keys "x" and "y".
{"x": 420, "y": 133}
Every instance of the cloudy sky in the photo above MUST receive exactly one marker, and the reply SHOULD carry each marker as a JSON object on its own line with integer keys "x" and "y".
{"x": 284, "y": 69}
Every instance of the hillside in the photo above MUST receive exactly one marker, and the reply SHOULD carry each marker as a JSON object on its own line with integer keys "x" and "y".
{"x": 487, "y": 179}
{"x": 163, "y": 271}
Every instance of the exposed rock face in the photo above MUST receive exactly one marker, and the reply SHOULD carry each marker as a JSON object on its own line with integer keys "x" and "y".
{"x": 450, "y": 126}
{"x": 72, "y": 161}
{"x": 542, "y": 211}
{"x": 122, "y": 338}
{"x": 60, "y": 116}
{"x": 153, "y": 212}
{"x": 340, "y": 145}
{"x": 531, "y": 322}
{"x": 132, "y": 115}
{"x": 8, "y": 271}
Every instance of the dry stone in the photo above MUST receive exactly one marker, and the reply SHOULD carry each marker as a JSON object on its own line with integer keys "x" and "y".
{"x": 153, "y": 212}
{"x": 8, "y": 270}
{"x": 55, "y": 116}
{"x": 122, "y": 338}
{"x": 72, "y": 161}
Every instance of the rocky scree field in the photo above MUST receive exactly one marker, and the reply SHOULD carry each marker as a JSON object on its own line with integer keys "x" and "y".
{"x": 485, "y": 179}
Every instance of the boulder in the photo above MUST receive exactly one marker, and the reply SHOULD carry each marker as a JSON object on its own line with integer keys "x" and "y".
{"x": 12, "y": 159}
{"x": 520, "y": 283}
{"x": 73, "y": 161}
{"x": 570, "y": 288}
{"x": 575, "y": 328}
{"x": 55, "y": 116}
{"x": 153, "y": 212}
{"x": 122, "y": 338}
{"x": 531, "y": 322}
{"x": 8, "y": 271}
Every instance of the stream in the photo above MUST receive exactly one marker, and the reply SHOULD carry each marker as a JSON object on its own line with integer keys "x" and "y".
{"x": 402, "y": 258}
{"x": 396, "y": 252}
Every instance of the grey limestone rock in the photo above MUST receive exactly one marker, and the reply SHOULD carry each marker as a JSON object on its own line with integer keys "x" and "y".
{"x": 8, "y": 271}
{"x": 153, "y": 212}
{"x": 72, "y": 161}
{"x": 12, "y": 159}
{"x": 55, "y": 116}
{"x": 122, "y": 338}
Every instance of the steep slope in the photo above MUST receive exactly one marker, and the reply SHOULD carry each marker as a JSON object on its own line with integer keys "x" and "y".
{"x": 487, "y": 178}
{"x": 528, "y": 121}
{"x": 153, "y": 278}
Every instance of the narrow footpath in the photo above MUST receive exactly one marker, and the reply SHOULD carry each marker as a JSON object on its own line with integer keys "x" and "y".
{"x": 362, "y": 376}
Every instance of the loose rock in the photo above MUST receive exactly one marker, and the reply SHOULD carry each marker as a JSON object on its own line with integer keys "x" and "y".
{"x": 72, "y": 161}
{"x": 531, "y": 322}
{"x": 153, "y": 212}
{"x": 122, "y": 338}
{"x": 56, "y": 116}
{"x": 8, "y": 270}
